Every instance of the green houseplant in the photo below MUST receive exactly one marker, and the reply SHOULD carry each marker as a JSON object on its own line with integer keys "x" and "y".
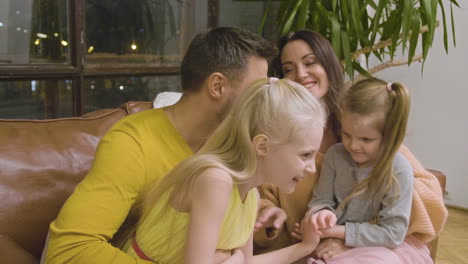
{"x": 359, "y": 28}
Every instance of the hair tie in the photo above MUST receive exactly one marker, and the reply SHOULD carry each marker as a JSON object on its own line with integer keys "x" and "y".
{"x": 389, "y": 87}
{"x": 273, "y": 80}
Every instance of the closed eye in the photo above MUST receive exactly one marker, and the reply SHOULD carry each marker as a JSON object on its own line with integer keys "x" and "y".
{"x": 309, "y": 63}
{"x": 308, "y": 155}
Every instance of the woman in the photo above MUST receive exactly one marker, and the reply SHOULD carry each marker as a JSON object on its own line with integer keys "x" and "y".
{"x": 308, "y": 58}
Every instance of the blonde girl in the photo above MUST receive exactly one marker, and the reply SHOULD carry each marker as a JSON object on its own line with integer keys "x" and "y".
{"x": 208, "y": 203}
{"x": 364, "y": 192}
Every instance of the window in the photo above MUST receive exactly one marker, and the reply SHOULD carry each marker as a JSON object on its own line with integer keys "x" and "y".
{"x": 61, "y": 58}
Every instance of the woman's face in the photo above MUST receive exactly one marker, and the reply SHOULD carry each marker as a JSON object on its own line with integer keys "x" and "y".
{"x": 298, "y": 63}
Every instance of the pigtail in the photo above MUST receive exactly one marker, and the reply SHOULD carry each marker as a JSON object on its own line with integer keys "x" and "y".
{"x": 394, "y": 133}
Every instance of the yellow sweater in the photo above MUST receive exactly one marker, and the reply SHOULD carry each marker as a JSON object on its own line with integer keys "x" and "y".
{"x": 162, "y": 235}
{"x": 428, "y": 212}
{"x": 137, "y": 151}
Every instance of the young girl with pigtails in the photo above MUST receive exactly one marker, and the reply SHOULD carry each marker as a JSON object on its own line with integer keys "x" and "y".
{"x": 364, "y": 193}
{"x": 208, "y": 203}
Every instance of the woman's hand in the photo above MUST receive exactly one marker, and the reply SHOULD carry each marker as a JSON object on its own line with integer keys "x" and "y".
{"x": 330, "y": 247}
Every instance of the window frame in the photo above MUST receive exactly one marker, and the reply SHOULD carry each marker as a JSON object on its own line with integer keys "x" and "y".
{"x": 77, "y": 71}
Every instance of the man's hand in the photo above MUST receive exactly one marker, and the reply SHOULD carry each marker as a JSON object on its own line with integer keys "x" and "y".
{"x": 330, "y": 247}
{"x": 270, "y": 217}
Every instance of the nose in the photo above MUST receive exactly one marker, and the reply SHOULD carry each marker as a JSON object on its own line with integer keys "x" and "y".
{"x": 301, "y": 72}
{"x": 353, "y": 144}
{"x": 310, "y": 168}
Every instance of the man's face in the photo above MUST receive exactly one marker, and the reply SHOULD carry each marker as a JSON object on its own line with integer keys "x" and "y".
{"x": 257, "y": 68}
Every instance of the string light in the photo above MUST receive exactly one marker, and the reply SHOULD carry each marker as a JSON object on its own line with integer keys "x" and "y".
{"x": 41, "y": 35}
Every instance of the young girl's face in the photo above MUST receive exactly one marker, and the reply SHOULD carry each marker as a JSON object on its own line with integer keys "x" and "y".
{"x": 287, "y": 163}
{"x": 361, "y": 138}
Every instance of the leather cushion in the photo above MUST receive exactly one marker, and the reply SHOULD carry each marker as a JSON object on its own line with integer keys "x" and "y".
{"x": 41, "y": 162}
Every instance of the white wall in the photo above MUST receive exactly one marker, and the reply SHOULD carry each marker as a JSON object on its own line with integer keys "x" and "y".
{"x": 438, "y": 129}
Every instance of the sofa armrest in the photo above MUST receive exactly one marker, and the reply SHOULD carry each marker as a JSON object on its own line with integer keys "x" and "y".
{"x": 442, "y": 181}
{"x": 132, "y": 107}
{"x": 441, "y": 177}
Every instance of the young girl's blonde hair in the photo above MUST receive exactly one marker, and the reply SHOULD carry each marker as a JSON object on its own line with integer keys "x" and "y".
{"x": 366, "y": 98}
{"x": 272, "y": 107}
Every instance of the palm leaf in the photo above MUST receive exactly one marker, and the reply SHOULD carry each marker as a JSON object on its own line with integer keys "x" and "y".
{"x": 453, "y": 26}
{"x": 444, "y": 24}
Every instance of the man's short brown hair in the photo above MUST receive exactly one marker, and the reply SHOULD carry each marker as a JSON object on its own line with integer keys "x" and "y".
{"x": 225, "y": 50}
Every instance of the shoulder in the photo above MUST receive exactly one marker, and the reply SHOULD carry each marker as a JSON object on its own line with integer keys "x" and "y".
{"x": 401, "y": 163}
{"x": 140, "y": 125}
{"x": 214, "y": 180}
{"x": 212, "y": 190}
{"x": 402, "y": 167}
{"x": 153, "y": 115}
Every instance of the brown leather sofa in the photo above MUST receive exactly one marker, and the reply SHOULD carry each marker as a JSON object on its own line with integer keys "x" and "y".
{"x": 41, "y": 162}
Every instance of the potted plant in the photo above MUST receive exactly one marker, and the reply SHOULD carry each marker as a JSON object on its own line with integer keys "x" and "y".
{"x": 359, "y": 28}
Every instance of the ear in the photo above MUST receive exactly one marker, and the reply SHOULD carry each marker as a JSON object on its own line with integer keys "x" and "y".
{"x": 216, "y": 85}
{"x": 260, "y": 143}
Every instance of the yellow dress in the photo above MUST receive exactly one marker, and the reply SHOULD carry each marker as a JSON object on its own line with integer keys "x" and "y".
{"x": 162, "y": 239}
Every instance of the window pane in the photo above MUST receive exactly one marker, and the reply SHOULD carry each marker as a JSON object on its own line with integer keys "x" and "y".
{"x": 135, "y": 31}
{"x": 110, "y": 93}
{"x": 36, "y": 99}
{"x": 248, "y": 15}
{"x": 33, "y": 31}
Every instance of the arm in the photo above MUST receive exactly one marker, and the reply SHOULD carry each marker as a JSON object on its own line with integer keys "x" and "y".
{"x": 323, "y": 196}
{"x": 99, "y": 205}
{"x": 294, "y": 252}
{"x": 210, "y": 197}
{"x": 393, "y": 218}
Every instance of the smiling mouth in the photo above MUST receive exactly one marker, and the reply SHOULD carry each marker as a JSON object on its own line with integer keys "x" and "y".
{"x": 310, "y": 85}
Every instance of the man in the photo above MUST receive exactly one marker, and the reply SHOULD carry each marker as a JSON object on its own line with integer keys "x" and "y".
{"x": 141, "y": 148}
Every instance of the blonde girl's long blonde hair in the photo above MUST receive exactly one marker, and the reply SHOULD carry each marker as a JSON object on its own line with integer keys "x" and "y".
{"x": 371, "y": 96}
{"x": 275, "y": 109}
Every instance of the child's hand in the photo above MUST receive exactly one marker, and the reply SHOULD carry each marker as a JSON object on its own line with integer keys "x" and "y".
{"x": 270, "y": 217}
{"x": 322, "y": 219}
{"x": 297, "y": 233}
{"x": 310, "y": 237}
{"x": 330, "y": 247}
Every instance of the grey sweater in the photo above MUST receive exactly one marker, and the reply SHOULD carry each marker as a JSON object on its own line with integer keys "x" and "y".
{"x": 339, "y": 175}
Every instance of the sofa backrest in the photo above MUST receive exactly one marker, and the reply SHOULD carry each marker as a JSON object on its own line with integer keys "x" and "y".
{"x": 41, "y": 162}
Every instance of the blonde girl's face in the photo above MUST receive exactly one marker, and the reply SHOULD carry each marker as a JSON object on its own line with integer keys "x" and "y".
{"x": 299, "y": 63}
{"x": 361, "y": 139}
{"x": 288, "y": 163}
